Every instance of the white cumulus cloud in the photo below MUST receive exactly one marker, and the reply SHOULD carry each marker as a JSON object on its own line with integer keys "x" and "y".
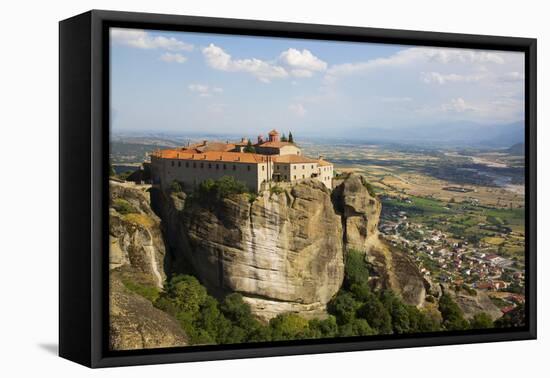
{"x": 416, "y": 56}
{"x": 264, "y": 71}
{"x": 301, "y": 63}
{"x": 173, "y": 58}
{"x": 144, "y": 40}
{"x": 439, "y": 78}
{"x": 458, "y": 105}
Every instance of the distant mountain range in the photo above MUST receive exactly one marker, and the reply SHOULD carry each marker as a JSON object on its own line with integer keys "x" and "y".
{"x": 456, "y": 133}
{"x": 517, "y": 149}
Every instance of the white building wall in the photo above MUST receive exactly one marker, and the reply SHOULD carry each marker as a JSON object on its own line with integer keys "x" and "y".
{"x": 300, "y": 171}
{"x": 192, "y": 172}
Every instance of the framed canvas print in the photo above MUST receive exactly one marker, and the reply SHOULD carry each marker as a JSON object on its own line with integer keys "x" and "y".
{"x": 233, "y": 188}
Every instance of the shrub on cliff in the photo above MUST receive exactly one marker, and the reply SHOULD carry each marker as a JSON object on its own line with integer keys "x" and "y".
{"x": 370, "y": 189}
{"x": 123, "y": 207}
{"x": 481, "y": 320}
{"x": 356, "y": 271}
{"x": 211, "y": 191}
{"x": 175, "y": 187}
{"x": 453, "y": 317}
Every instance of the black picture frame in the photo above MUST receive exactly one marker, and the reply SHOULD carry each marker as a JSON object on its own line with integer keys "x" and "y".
{"x": 83, "y": 180}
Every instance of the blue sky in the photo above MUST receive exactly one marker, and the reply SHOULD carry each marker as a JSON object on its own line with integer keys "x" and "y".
{"x": 208, "y": 83}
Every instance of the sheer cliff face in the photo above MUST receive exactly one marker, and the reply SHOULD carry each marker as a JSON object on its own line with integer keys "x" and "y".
{"x": 136, "y": 258}
{"x": 282, "y": 252}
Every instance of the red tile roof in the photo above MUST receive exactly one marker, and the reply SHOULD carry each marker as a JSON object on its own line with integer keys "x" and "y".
{"x": 293, "y": 159}
{"x": 234, "y": 157}
{"x": 275, "y": 144}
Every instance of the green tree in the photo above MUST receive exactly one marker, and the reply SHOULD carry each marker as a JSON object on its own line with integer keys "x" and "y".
{"x": 247, "y": 327}
{"x": 323, "y": 328}
{"x": 184, "y": 297}
{"x": 357, "y": 327}
{"x": 288, "y": 327}
{"x": 374, "y": 312}
{"x": 212, "y": 191}
{"x": 356, "y": 271}
{"x": 398, "y": 311}
{"x": 481, "y": 321}
{"x": 290, "y": 137}
{"x": 514, "y": 318}
{"x": 453, "y": 317}
{"x": 249, "y": 147}
{"x": 343, "y": 306}
{"x": 284, "y": 138}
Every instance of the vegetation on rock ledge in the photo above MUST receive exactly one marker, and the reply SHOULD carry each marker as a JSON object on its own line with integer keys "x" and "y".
{"x": 356, "y": 310}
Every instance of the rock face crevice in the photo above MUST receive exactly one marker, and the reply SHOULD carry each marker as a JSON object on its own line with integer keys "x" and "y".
{"x": 360, "y": 213}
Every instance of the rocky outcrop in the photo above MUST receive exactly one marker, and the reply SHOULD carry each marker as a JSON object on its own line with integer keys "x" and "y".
{"x": 136, "y": 241}
{"x": 472, "y": 304}
{"x": 360, "y": 213}
{"x": 136, "y": 324}
{"x": 136, "y": 260}
{"x": 283, "y": 251}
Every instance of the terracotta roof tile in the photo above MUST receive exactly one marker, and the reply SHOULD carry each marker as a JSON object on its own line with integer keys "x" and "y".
{"x": 276, "y": 144}
{"x": 233, "y": 157}
{"x": 293, "y": 159}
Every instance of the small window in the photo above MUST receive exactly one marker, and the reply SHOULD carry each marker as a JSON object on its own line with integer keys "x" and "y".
{"x": 217, "y": 166}
{"x": 312, "y": 167}
{"x": 224, "y": 166}
{"x": 202, "y": 165}
{"x": 303, "y": 176}
{"x": 303, "y": 167}
{"x": 294, "y": 177}
{"x": 172, "y": 163}
{"x": 278, "y": 167}
{"x": 186, "y": 164}
{"x": 234, "y": 167}
{"x": 285, "y": 177}
{"x": 263, "y": 167}
{"x": 179, "y": 163}
{"x": 209, "y": 165}
{"x": 248, "y": 167}
{"x": 194, "y": 165}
